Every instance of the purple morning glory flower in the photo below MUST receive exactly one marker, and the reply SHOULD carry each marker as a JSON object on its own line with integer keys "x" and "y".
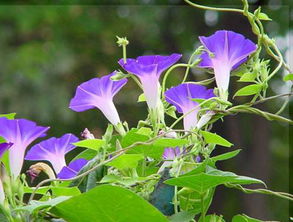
{"x": 180, "y": 96}
{"x": 21, "y": 133}
{"x": 229, "y": 50}
{"x": 4, "y": 147}
{"x": 169, "y": 155}
{"x": 148, "y": 69}
{"x": 53, "y": 150}
{"x": 72, "y": 169}
{"x": 98, "y": 93}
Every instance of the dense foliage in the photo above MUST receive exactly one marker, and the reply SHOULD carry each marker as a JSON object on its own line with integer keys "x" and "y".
{"x": 153, "y": 171}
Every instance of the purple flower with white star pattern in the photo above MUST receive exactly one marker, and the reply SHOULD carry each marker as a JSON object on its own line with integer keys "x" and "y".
{"x": 53, "y": 150}
{"x": 148, "y": 69}
{"x": 98, "y": 93}
{"x": 180, "y": 96}
{"x": 21, "y": 133}
{"x": 226, "y": 51}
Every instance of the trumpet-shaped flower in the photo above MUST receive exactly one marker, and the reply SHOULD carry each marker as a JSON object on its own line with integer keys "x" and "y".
{"x": 53, "y": 150}
{"x": 98, "y": 93}
{"x": 181, "y": 97}
{"x": 226, "y": 51}
{"x": 72, "y": 169}
{"x": 148, "y": 69}
{"x": 3, "y": 148}
{"x": 21, "y": 133}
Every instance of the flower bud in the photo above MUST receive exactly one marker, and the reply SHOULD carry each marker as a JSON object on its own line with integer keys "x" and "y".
{"x": 37, "y": 168}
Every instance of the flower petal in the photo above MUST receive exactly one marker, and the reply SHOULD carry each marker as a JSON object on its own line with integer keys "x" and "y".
{"x": 230, "y": 50}
{"x": 72, "y": 169}
{"x": 149, "y": 68}
{"x": 181, "y": 95}
{"x": 53, "y": 150}
{"x": 21, "y": 133}
{"x": 4, "y": 147}
{"x": 98, "y": 93}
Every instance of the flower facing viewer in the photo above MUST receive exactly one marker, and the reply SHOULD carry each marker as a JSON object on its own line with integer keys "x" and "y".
{"x": 181, "y": 97}
{"x": 226, "y": 50}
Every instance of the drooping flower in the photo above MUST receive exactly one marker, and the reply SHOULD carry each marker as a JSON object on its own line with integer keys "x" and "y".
{"x": 98, "y": 93}
{"x": 181, "y": 97}
{"x": 226, "y": 51}
{"x": 21, "y": 133}
{"x": 53, "y": 150}
{"x": 72, "y": 169}
{"x": 148, "y": 69}
{"x": 3, "y": 148}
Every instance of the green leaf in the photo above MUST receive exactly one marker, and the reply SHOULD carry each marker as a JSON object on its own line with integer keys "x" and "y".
{"x": 141, "y": 98}
{"x": 65, "y": 191}
{"x": 203, "y": 181}
{"x": 288, "y": 77}
{"x": 235, "y": 179}
{"x": 171, "y": 111}
{"x": 184, "y": 216}
{"x": 226, "y": 156}
{"x": 200, "y": 182}
{"x": 244, "y": 218}
{"x": 87, "y": 154}
{"x": 247, "y": 77}
{"x": 107, "y": 203}
{"x": 263, "y": 16}
{"x": 215, "y": 139}
{"x": 212, "y": 218}
{"x": 94, "y": 144}
{"x": 8, "y": 116}
{"x": 190, "y": 200}
{"x": 168, "y": 142}
{"x": 42, "y": 190}
{"x": 38, "y": 205}
{"x": 145, "y": 131}
{"x": 126, "y": 161}
{"x": 249, "y": 90}
{"x": 126, "y": 181}
{"x": 154, "y": 149}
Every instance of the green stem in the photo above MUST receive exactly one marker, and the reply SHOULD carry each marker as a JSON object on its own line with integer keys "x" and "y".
{"x": 168, "y": 73}
{"x": 124, "y": 53}
{"x": 213, "y": 8}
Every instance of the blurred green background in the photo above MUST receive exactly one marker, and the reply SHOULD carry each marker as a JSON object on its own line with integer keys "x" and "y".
{"x": 48, "y": 50}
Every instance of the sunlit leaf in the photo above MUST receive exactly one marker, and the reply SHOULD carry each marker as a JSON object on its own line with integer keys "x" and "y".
{"x": 249, "y": 90}
{"x": 94, "y": 144}
{"x": 215, "y": 139}
{"x": 126, "y": 161}
{"x": 107, "y": 203}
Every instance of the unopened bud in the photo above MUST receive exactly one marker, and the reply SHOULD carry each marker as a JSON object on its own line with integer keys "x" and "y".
{"x": 86, "y": 134}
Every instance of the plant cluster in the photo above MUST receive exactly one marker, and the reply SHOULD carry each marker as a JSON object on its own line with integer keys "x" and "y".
{"x": 154, "y": 171}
